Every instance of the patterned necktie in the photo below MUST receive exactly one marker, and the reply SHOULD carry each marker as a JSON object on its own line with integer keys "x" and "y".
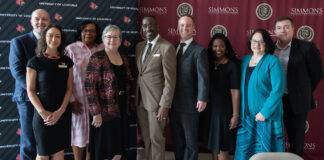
{"x": 180, "y": 51}
{"x": 148, "y": 51}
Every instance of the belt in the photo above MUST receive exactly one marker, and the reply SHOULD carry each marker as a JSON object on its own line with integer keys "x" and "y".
{"x": 120, "y": 93}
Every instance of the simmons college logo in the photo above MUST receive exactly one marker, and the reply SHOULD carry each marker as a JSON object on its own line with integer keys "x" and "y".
{"x": 263, "y": 11}
{"x": 58, "y": 17}
{"x": 93, "y": 6}
{"x": 218, "y": 29}
{"x": 305, "y": 33}
{"x": 184, "y": 9}
{"x": 20, "y": 2}
{"x": 20, "y": 28}
{"x": 306, "y": 11}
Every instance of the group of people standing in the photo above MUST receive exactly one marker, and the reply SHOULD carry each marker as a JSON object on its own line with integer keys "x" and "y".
{"x": 81, "y": 93}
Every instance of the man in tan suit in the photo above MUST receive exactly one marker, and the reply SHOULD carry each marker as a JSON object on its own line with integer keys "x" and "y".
{"x": 156, "y": 64}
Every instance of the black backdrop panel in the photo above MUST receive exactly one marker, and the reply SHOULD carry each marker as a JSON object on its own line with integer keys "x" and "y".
{"x": 15, "y": 20}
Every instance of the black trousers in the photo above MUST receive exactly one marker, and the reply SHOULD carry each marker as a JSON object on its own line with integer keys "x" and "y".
{"x": 184, "y": 129}
{"x": 295, "y": 127}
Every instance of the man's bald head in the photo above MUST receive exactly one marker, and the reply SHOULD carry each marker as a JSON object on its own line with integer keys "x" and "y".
{"x": 39, "y": 20}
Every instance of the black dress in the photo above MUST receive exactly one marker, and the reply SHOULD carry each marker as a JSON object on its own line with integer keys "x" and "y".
{"x": 51, "y": 83}
{"x": 111, "y": 137}
{"x": 224, "y": 77}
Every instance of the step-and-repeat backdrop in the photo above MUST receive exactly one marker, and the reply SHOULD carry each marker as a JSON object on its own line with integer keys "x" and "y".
{"x": 238, "y": 19}
{"x": 235, "y": 18}
{"x": 15, "y": 20}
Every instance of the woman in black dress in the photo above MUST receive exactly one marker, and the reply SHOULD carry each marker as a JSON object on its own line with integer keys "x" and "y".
{"x": 224, "y": 98}
{"x": 107, "y": 88}
{"x": 50, "y": 74}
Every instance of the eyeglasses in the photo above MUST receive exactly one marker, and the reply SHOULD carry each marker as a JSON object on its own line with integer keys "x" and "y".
{"x": 257, "y": 42}
{"x": 148, "y": 25}
{"x": 111, "y": 37}
{"x": 89, "y": 31}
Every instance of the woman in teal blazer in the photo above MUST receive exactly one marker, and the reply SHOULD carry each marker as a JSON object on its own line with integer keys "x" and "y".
{"x": 262, "y": 87}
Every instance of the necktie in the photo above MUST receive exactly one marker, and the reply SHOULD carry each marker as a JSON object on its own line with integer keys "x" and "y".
{"x": 180, "y": 51}
{"x": 148, "y": 51}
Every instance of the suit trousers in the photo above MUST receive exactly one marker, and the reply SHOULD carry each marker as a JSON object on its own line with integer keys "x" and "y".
{"x": 184, "y": 130}
{"x": 295, "y": 127}
{"x": 152, "y": 132}
{"x": 27, "y": 138}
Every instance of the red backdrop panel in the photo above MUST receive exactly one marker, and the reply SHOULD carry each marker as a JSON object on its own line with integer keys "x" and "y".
{"x": 238, "y": 19}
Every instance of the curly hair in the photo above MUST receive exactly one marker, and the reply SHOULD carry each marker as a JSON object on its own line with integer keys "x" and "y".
{"x": 229, "y": 53}
{"x": 270, "y": 46}
{"x": 81, "y": 28}
{"x": 42, "y": 45}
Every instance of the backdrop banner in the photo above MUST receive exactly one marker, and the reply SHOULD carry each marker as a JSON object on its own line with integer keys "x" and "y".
{"x": 69, "y": 14}
{"x": 238, "y": 19}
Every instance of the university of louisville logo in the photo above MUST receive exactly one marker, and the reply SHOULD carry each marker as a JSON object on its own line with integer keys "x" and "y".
{"x": 20, "y": 2}
{"x": 184, "y": 9}
{"x": 305, "y": 33}
{"x": 58, "y": 17}
{"x": 18, "y": 157}
{"x": 20, "y": 28}
{"x": 93, "y": 6}
{"x": 18, "y": 131}
{"x": 218, "y": 29}
{"x": 127, "y": 43}
{"x": 263, "y": 11}
{"x": 127, "y": 19}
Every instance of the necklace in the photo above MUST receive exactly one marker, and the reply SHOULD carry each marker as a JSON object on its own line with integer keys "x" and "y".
{"x": 51, "y": 57}
{"x": 223, "y": 61}
{"x": 255, "y": 60}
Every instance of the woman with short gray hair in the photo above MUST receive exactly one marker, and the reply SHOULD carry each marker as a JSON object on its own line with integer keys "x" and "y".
{"x": 107, "y": 86}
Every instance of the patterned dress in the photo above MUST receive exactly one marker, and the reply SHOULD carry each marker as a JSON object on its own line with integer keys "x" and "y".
{"x": 80, "y": 54}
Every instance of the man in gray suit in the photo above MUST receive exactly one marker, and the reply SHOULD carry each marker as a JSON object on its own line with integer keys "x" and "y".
{"x": 191, "y": 92}
{"x": 156, "y": 63}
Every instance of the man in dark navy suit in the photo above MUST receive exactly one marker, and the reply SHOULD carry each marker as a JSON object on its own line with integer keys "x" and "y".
{"x": 302, "y": 63}
{"x": 191, "y": 92}
{"x": 22, "y": 48}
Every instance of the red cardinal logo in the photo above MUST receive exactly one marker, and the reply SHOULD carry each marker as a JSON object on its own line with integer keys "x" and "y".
{"x": 20, "y": 2}
{"x": 58, "y": 17}
{"x": 93, "y": 6}
{"x": 127, "y": 19}
{"x": 18, "y": 131}
{"x": 126, "y": 43}
{"x": 18, "y": 157}
{"x": 20, "y": 28}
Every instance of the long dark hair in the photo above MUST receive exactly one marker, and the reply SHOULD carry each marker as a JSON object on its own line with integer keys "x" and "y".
{"x": 81, "y": 28}
{"x": 229, "y": 53}
{"x": 42, "y": 46}
{"x": 270, "y": 47}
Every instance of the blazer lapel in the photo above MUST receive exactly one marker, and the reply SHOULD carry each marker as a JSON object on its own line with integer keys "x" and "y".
{"x": 188, "y": 50}
{"x": 139, "y": 57}
{"x": 292, "y": 55}
{"x": 154, "y": 50}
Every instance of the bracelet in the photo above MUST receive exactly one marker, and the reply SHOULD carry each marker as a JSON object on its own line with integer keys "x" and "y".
{"x": 236, "y": 115}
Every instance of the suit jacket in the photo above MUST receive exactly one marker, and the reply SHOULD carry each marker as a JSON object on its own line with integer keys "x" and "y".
{"x": 192, "y": 79}
{"x": 304, "y": 73}
{"x": 22, "y": 48}
{"x": 101, "y": 85}
{"x": 156, "y": 76}
{"x": 265, "y": 89}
